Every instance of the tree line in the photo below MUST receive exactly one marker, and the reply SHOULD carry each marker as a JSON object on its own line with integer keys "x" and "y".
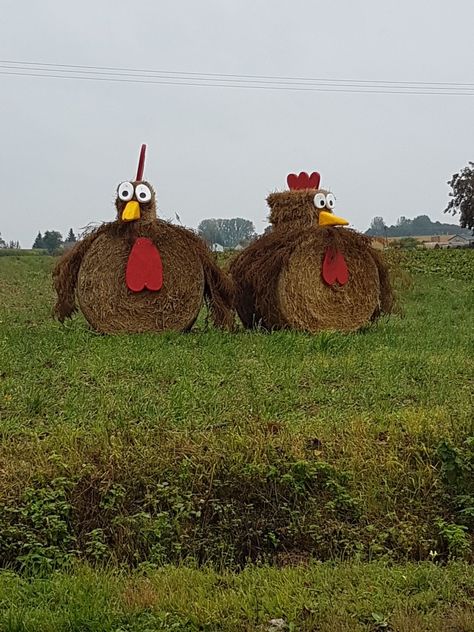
{"x": 461, "y": 202}
{"x": 12, "y": 245}
{"x": 230, "y": 233}
{"x": 404, "y": 227}
{"x": 52, "y": 241}
{"x": 227, "y": 233}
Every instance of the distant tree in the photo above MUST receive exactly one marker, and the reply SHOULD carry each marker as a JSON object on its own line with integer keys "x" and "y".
{"x": 377, "y": 227}
{"x": 209, "y": 231}
{"x": 404, "y": 227}
{"x": 227, "y": 232}
{"x": 462, "y": 185}
{"x": 2, "y": 242}
{"x": 13, "y": 245}
{"x": 71, "y": 237}
{"x": 39, "y": 243}
{"x": 419, "y": 226}
{"x": 52, "y": 241}
{"x": 236, "y": 231}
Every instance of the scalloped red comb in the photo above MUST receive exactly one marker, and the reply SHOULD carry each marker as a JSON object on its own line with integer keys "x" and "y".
{"x": 141, "y": 164}
{"x": 303, "y": 181}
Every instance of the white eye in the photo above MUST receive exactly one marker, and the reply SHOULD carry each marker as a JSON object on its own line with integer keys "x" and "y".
{"x": 142, "y": 193}
{"x": 330, "y": 201}
{"x": 125, "y": 191}
{"x": 319, "y": 200}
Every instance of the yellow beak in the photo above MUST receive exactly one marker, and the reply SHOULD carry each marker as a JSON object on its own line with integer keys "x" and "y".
{"x": 329, "y": 219}
{"x": 131, "y": 212}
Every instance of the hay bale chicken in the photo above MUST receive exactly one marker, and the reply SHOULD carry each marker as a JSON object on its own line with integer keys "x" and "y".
{"x": 308, "y": 272}
{"x": 140, "y": 273}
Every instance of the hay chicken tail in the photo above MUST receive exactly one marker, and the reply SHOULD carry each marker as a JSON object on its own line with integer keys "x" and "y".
{"x": 387, "y": 296}
{"x": 65, "y": 275}
{"x": 219, "y": 293}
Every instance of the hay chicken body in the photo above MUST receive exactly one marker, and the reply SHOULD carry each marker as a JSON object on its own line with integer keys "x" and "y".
{"x": 309, "y": 273}
{"x": 140, "y": 273}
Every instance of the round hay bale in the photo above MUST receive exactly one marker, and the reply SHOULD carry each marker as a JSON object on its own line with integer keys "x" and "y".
{"x": 306, "y": 302}
{"x": 279, "y": 282}
{"x": 110, "y": 307}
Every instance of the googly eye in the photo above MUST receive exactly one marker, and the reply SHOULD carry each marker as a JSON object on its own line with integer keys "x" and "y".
{"x": 125, "y": 191}
{"x": 319, "y": 200}
{"x": 330, "y": 201}
{"x": 142, "y": 193}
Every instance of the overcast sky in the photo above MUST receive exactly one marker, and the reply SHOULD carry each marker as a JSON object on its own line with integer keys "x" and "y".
{"x": 217, "y": 152}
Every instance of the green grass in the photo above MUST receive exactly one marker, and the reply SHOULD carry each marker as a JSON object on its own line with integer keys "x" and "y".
{"x": 328, "y": 598}
{"x": 15, "y": 252}
{"x": 457, "y": 264}
{"x": 227, "y": 449}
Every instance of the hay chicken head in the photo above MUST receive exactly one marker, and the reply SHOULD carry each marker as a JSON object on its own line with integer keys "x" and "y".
{"x": 136, "y": 200}
{"x": 309, "y": 272}
{"x": 304, "y": 204}
{"x": 140, "y": 273}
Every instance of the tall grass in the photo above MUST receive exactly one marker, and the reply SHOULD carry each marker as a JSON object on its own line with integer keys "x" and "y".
{"x": 221, "y": 450}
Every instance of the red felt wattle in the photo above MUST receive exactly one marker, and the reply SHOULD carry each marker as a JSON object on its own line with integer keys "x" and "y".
{"x": 144, "y": 266}
{"x": 303, "y": 181}
{"x": 334, "y": 267}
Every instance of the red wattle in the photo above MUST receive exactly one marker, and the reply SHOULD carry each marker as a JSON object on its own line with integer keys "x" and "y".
{"x": 334, "y": 267}
{"x": 144, "y": 267}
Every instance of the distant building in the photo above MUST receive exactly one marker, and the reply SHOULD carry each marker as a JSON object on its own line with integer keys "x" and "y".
{"x": 426, "y": 241}
{"x": 447, "y": 241}
{"x": 217, "y": 248}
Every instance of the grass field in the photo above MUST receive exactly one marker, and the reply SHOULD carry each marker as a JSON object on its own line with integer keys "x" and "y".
{"x": 212, "y": 481}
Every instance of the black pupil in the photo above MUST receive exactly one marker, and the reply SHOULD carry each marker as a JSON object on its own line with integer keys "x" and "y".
{"x": 143, "y": 194}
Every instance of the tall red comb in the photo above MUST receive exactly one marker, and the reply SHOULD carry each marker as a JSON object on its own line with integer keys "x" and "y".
{"x": 303, "y": 181}
{"x": 141, "y": 164}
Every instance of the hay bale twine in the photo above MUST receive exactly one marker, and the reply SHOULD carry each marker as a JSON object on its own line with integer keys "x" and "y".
{"x": 110, "y": 307}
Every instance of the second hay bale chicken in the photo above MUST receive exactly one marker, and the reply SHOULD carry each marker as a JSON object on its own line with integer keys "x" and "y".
{"x": 140, "y": 273}
{"x": 309, "y": 273}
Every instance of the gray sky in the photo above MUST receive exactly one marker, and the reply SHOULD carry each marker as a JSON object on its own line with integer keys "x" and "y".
{"x": 218, "y": 152}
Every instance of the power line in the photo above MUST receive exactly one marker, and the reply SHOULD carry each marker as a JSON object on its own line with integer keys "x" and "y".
{"x": 215, "y": 80}
{"x": 242, "y": 86}
{"x": 30, "y": 71}
{"x": 236, "y": 76}
{"x": 197, "y": 78}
